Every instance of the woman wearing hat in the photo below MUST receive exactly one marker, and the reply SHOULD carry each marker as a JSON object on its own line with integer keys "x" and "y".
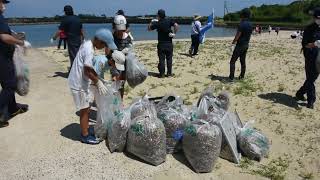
{"x": 195, "y": 33}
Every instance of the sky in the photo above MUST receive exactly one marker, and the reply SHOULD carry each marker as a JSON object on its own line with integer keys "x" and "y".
{"x": 40, "y": 8}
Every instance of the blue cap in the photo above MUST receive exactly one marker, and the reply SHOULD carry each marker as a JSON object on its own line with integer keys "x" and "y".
{"x": 106, "y": 36}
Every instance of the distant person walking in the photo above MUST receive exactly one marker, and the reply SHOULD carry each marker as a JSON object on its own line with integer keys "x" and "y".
{"x": 269, "y": 29}
{"x": 62, "y": 38}
{"x": 165, "y": 35}
{"x": 72, "y": 27}
{"x": 195, "y": 35}
{"x": 8, "y": 80}
{"x": 310, "y": 46}
{"x": 241, "y": 43}
{"x": 277, "y": 29}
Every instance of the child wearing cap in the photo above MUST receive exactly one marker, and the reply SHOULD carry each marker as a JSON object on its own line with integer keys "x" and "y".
{"x": 117, "y": 62}
{"x": 121, "y": 37}
{"x": 81, "y": 75}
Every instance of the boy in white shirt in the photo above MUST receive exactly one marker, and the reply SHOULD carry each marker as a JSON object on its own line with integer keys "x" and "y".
{"x": 81, "y": 75}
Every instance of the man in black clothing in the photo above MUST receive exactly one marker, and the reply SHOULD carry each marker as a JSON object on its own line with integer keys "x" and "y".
{"x": 8, "y": 80}
{"x": 310, "y": 46}
{"x": 72, "y": 27}
{"x": 241, "y": 43}
{"x": 165, "y": 47}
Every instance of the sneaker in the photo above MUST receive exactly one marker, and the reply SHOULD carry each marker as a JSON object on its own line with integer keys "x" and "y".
{"x": 170, "y": 75}
{"x": 89, "y": 140}
{"x": 310, "y": 106}
{"x": 300, "y": 97}
{"x": 21, "y": 108}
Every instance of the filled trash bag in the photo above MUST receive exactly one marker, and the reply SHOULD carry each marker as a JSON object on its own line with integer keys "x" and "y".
{"x": 109, "y": 106}
{"x": 253, "y": 144}
{"x": 136, "y": 72}
{"x": 22, "y": 72}
{"x": 222, "y": 101}
{"x": 174, "y": 123}
{"x": 147, "y": 138}
{"x": 174, "y": 102}
{"x": 141, "y": 106}
{"x": 117, "y": 134}
{"x": 201, "y": 145}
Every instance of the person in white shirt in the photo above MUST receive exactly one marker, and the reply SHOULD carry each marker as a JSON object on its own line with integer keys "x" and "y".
{"x": 195, "y": 35}
{"x": 270, "y": 29}
{"x": 82, "y": 74}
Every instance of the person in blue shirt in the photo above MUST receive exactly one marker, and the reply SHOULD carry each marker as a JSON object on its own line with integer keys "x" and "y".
{"x": 310, "y": 46}
{"x": 72, "y": 27}
{"x": 8, "y": 80}
{"x": 165, "y": 47}
{"x": 241, "y": 43}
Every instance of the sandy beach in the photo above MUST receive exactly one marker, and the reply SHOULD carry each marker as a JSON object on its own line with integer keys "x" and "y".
{"x": 44, "y": 143}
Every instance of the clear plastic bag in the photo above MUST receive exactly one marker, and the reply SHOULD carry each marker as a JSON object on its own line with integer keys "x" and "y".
{"x": 253, "y": 144}
{"x": 147, "y": 137}
{"x": 174, "y": 123}
{"x": 22, "y": 72}
{"x": 136, "y": 72}
{"x": 201, "y": 145}
{"x": 109, "y": 106}
{"x": 117, "y": 134}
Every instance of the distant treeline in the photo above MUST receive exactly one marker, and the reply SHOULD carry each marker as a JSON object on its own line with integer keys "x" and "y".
{"x": 87, "y": 18}
{"x": 297, "y": 12}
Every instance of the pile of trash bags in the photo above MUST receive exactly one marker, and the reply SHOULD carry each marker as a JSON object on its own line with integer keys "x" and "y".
{"x": 22, "y": 71}
{"x": 206, "y": 131}
{"x": 136, "y": 72}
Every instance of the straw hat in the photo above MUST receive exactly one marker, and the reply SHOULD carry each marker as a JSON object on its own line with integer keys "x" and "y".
{"x": 196, "y": 17}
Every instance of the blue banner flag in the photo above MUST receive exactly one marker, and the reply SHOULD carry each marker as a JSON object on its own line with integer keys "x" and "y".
{"x": 208, "y": 26}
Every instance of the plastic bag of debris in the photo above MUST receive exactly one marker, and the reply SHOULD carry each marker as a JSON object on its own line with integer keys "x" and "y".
{"x": 253, "y": 144}
{"x": 201, "y": 145}
{"x": 174, "y": 123}
{"x": 147, "y": 137}
{"x": 108, "y": 106}
{"x": 175, "y": 102}
{"x": 22, "y": 71}
{"x": 136, "y": 72}
{"x": 141, "y": 106}
{"x": 117, "y": 134}
{"x": 222, "y": 101}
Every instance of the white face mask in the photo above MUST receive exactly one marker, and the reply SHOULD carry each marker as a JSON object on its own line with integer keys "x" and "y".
{"x": 317, "y": 21}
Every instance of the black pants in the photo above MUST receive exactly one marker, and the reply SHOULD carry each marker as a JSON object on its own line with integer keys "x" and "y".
{"x": 239, "y": 52}
{"x": 195, "y": 44}
{"x": 165, "y": 52}
{"x": 72, "y": 50}
{"x": 8, "y": 83}
{"x": 311, "y": 76}
{"x": 64, "y": 43}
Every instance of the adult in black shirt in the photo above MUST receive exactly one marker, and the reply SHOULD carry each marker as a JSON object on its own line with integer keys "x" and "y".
{"x": 72, "y": 26}
{"x": 8, "y": 80}
{"x": 165, "y": 47}
{"x": 310, "y": 45}
{"x": 241, "y": 42}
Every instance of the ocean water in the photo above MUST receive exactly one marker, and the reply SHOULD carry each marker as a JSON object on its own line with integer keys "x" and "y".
{"x": 39, "y": 35}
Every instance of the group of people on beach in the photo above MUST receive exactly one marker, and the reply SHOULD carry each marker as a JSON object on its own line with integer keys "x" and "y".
{"x": 86, "y": 73}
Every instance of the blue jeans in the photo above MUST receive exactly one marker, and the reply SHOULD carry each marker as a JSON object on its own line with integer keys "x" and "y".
{"x": 8, "y": 83}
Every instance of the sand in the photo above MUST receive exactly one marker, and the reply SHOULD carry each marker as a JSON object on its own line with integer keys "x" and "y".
{"x": 44, "y": 143}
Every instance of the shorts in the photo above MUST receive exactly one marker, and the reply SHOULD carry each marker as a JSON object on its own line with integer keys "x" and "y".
{"x": 81, "y": 99}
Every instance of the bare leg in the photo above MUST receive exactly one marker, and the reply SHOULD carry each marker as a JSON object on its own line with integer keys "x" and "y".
{"x": 84, "y": 121}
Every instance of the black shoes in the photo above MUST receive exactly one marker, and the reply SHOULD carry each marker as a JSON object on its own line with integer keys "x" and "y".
{"x": 161, "y": 76}
{"x": 170, "y": 75}
{"x": 310, "y": 106}
{"x": 300, "y": 97}
{"x": 21, "y": 108}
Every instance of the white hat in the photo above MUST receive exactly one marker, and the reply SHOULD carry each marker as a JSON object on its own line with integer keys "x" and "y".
{"x": 120, "y": 22}
{"x": 119, "y": 59}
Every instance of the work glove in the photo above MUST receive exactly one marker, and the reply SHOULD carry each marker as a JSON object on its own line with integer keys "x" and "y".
{"x": 317, "y": 43}
{"x": 154, "y": 20}
{"x": 27, "y": 44}
{"x": 232, "y": 47}
{"x": 172, "y": 35}
{"x": 102, "y": 89}
{"x": 51, "y": 40}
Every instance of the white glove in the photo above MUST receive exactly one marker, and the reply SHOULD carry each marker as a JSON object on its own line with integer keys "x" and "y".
{"x": 172, "y": 35}
{"x": 317, "y": 43}
{"x": 26, "y": 44}
{"x": 102, "y": 89}
{"x": 154, "y": 20}
{"x": 51, "y": 41}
